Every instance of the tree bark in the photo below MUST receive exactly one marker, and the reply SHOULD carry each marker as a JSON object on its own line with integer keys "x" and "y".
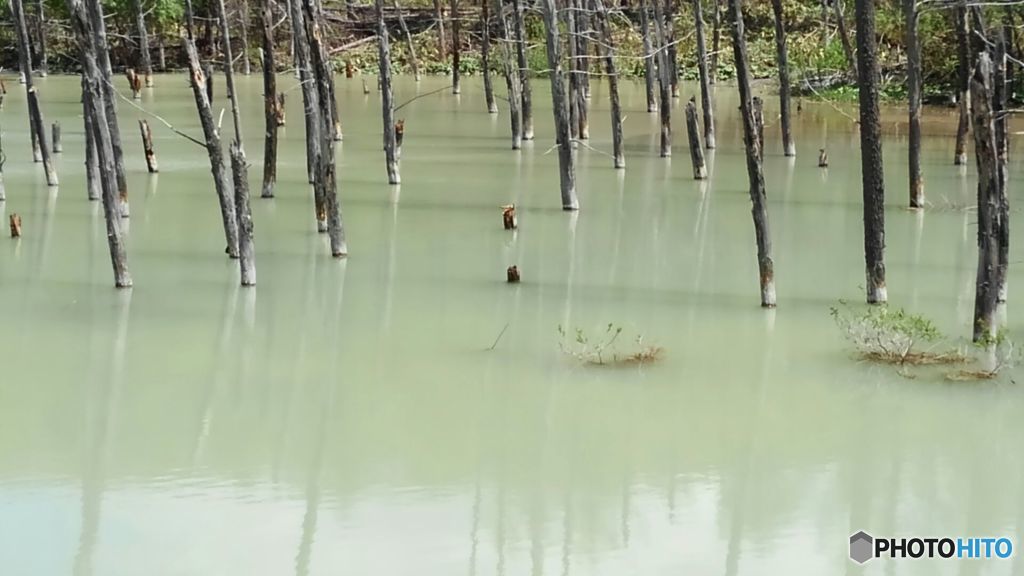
{"x": 844, "y": 36}
{"x": 872, "y": 179}
{"x": 758, "y": 106}
{"x": 40, "y": 151}
{"x": 700, "y": 171}
{"x": 664, "y": 80}
{"x": 485, "y": 56}
{"x": 243, "y": 16}
{"x": 648, "y": 48}
{"x": 313, "y": 110}
{"x": 671, "y": 55}
{"x": 526, "y": 91}
{"x": 569, "y": 16}
{"x": 439, "y": 18}
{"x": 581, "y": 69}
{"x": 608, "y": 48}
{"x": 140, "y": 28}
{"x": 408, "y": 39}
{"x": 755, "y": 171}
{"x": 93, "y": 101}
{"x": 147, "y": 147}
{"x": 456, "y": 49}
{"x": 512, "y": 80}
{"x": 229, "y": 73}
{"x": 271, "y": 108}
{"x": 387, "y": 98}
{"x": 963, "y": 52}
{"x": 1000, "y": 112}
{"x": 99, "y": 30}
{"x": 716, "y": 41}
{"x": 914, "y": 103}
{"x": 782, "y": 60}
{"x": 987, "y": 280}
{"x": 560, "y": 108}
{"x": 44, "y": 67}
{"x": 92, "y": 165}
{"x": 58, "y": 146}
{"x": 246, "y": 250}
{"x": 705, "y": 78}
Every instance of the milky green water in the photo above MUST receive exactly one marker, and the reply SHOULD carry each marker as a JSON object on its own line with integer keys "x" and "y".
{"x": 348, "y": 417}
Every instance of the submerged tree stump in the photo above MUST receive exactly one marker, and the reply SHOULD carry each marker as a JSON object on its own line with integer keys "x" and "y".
{"x": 134, "y": 83}
{"x": 15, "y": 222}
{"x": 512, "y": 275}
{"x": 822, "y": 158}
{"x": 700, "y": 171}
{"x": 508, "y": 217}
{"x": 147, "y": 147}
{"x": 58, "y": 146}
{"x": 987, "y": 281}
{"x": 387, "y": 98}
{"x": 246, "y": 250}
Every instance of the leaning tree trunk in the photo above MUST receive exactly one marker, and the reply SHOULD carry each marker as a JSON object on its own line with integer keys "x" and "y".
{"x": 987, "y": 281}
{"x": 648, "y": 48}
{"x": 705, "y": 77}
{"x": 387, "y": 98}
{"x": 963, "y": 52}
{"x": 782, "y": 60}
{"x": 664, "y": 80}
{"x": 755, "y": 171}
{"x": 35, "y": 115}
{"x": 914, "y": 104}
{"x": 607, "y": 45}
{"x": 270, "y": 102}
{"x": 1000, "y": 112}
{"x": 844, "y": 36}
{"x": 872, "y": 182}
{"x": 700, "y": 171}
{"x": 213, "y": 149}
{"x": 512, "y": 81}
{"x": 99, "y": 126}
{"x": 243, "y": 15}
{"x": 140, "y": 28}
{"x": 526, "y": 92}
{"x": 485, "y": 56}
{"x": 439, "y": 18}
{"x": 560, "y": 108}
{"x": 44, "y": 67}
{"x": 456, "y": 49}
{"x": 413, "y": 61}
{"x": 99, "y": 27}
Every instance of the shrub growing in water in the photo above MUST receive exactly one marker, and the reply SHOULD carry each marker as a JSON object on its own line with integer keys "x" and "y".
{"x": 604, "y": 349}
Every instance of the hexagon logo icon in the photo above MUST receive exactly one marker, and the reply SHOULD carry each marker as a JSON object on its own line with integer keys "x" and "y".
{"x": 861, "y": 547}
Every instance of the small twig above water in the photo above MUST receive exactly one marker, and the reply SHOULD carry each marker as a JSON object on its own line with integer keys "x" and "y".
{"x": 500, "y": 334}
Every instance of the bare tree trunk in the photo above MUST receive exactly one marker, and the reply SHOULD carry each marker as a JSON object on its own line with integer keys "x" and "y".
{"x": 271, "y": 110}
{"x": 95, "y": 110}
{"x": 607, "y": 45}
{"x": 213, "y": 148}
{"x": 408, "y": 39}
{"x": 147, "y": 147}
{"x": 140, "y": 29}
{"x": 44, "y": 67}
{"x": 914, "y": 103}
{"x": 987, "y": 281}
{"x": 387, "y": 99}
{"x": 560, "y": 107}
{"x": 755, "y": 171}
{"x": 485, "y": 56}
{"x": 35, "y": 115}
{"x": 671, "y": 56}
{"x": 716, "y": 41}
{"x": 648, "y": 48}
{"x": 871, "y": 153}
{"x": 1000, "y": 112}
{"x": 58, "y": 147}
{"x": 782, "y": 60}
{"x": 160, "y": 50}
{"x": 844, "y": 36}
{"x": 243, "y": 8}
{"x": 439, "y": 17}
{"x": 229, "y": 74}
{"x": 664, "y": 80}
{"x": 92, "y": 164}
{"x": 705, "y": 78}
{"x": 963, "y": 51}
{"x": 99, "y": 29}
{"x": 569, "y": 16}
{"x": 313, "y": 110}
{"x": 700, "y": 171}
{"x": 246, "y": 249}
{"x": 526, "y": 91}
{"x": 582, "y": 69}
{"x": 757, "y": 105}
{"x": 512, "y": 80}
{"x": 456, "y": 49}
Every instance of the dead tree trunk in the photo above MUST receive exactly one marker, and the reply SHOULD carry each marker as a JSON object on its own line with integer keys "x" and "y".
{"x": 512, "y": 82}
{"x": 987, "y": 281}
{"x": 758, "y": 106}
{"x": 311, "y": 102}
{"x": 700, "y": 171}
{"x": 648, "y": 48}
{"x": 323, "y": 75}
{"x": 671, "y": 55}
{"x": 408, "y": 40}
{"x": 387, "y": 98}
{"x": 271, "y": 110}
{"x": 914, "y": 104}
{"x": 755, "y": 171}
{"x": 664, "y": 80}
{"x": 456, "y": 49}
{"x": 582, "y": 70}
{"x": 560, "y": 106}
{"x": 963, "y": 52}
{"x": 607, "y": 45}
{"x": 147, "y": 147}
{"x": 705, "y": 77}
{"x": 140, "y": 28}
{"x": 1000, "y": 112}
{"x": 229, "y": 73}
{"x": 44, "y": 67}
{"x": 439, "y": 18}
{"x": 485, "y": 56}
{"x": 58, "y": 146}
{"x": 213, "y": 149}
{"x": 569, "y": 16}
{"x": 40, "y": 151}
{"x": 871, "y": 152}
{"x": 161, "y": 52}
{"x": 243, "y": 16}
{"x": 844, "y": 36}
{"x": 246, "y": 250}
{"x": 99, "y": 125}
{"x": 716, "y": 41}
{"x": 92, "y": 164}
{"x": 526, "y": 91}
{"x": 782, "y": 60}
{"x": 99, "y": 29}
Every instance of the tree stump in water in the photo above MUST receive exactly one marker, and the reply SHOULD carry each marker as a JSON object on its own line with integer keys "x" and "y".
{"x": 246, "y": 251}
{"x": 700, "y": 171}
{"x": 512, "y": 275}
{"x": 147, "y": 147}
{"x": 15, "y": 222}
{"x": 58, "y": 146}
{"x": 348, "y": 70}
{"x": 822, "y": 158}
{"x": 134, "y": 82}
{"x": 508, "y": 217}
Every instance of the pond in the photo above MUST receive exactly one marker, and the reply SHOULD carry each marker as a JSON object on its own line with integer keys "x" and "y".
{"x": 405, "y": 411}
